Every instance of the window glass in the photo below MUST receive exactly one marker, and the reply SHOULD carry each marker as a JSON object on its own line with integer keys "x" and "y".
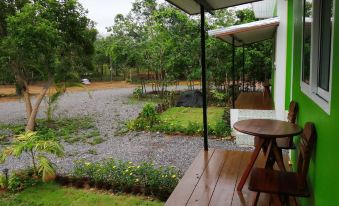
{"x": 325, "y": 44}
{"x": 307, "y": 38}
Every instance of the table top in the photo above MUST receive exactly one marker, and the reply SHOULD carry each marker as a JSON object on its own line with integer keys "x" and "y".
{"x": 267, "y": 128}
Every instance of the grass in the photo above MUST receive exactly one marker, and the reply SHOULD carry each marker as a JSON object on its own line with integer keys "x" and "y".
{"x": 71, "y": 130}
{"x": 184, "y": 115}
{"x": 54, "y": 195}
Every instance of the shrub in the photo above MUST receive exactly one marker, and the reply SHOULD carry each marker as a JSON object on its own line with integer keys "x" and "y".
{"x": 138, "y": 92}
{"x": 193, "y": 128}
{"x": 128, "y": 177}
{"x": 221, "y": 129}
{"x": 147, "y": 119}
{"x": 22, "y": 179}
{"x": 36, "y": 147}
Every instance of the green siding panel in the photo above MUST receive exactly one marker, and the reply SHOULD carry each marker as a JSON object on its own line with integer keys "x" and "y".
{"x": 324, "y": 167}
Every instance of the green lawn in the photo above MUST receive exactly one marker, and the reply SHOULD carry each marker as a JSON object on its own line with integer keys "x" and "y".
{"x": 54, "y": 195}
{"x": 184, "y": 115}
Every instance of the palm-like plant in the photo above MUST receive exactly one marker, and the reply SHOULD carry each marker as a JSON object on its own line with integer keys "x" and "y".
{"x": 32, "y": 144}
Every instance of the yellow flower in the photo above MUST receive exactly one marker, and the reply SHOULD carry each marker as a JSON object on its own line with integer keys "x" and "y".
{"x": 138, "y": 166}
{"x": 174, "y": 176}
{"x": 114, "y": 167}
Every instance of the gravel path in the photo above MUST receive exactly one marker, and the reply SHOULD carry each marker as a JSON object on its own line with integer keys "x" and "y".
{"x": 110, "y": 109}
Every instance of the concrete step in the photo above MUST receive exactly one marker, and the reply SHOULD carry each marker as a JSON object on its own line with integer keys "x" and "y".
{"x": 243, "y": 114}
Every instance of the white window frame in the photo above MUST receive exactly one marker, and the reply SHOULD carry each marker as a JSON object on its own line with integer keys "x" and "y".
{"x": 321, "y": 97}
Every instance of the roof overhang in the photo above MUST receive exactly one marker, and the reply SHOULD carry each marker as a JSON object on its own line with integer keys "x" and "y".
{"x": 247, "y": 33}
{"x": 193, "y": 6}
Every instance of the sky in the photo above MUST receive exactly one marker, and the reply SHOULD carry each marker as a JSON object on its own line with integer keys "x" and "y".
{"x": 104, "y": 11}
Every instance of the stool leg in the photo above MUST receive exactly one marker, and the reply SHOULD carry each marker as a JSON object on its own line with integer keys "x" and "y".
{"x": 256, "y": 199}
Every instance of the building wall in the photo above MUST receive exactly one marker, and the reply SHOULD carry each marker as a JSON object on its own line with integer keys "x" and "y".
{"x": 280, "y": 61}
{"x": 324, "y": 167}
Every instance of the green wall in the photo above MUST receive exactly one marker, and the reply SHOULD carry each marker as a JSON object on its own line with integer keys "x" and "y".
{"x": 324, "y": 168}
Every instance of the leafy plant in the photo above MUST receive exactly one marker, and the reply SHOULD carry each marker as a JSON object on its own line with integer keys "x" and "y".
{"x": 22, "y": 179}
{"x": 221, "y": 129}
{"x": 128, "y": 177}
{"x": 35, "y": 146}
{"x": 138, "y": 92}
{"x": 147, "y": 119}
{"x": 3, "y": 182}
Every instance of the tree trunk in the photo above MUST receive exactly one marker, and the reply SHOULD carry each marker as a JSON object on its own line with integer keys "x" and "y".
{"x": 31, "y": 121}
{"x": 25, "y": 91}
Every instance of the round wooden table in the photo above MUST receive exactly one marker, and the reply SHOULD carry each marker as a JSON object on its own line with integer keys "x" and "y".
{"x": 266, "y": 130}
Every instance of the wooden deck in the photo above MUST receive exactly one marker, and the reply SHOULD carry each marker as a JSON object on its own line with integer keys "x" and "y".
{"x": 253, "y": 100}
{"x": 212, "y": 178}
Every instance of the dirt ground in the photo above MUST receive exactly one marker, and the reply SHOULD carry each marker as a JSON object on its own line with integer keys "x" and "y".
{"x": 7, "y": 92}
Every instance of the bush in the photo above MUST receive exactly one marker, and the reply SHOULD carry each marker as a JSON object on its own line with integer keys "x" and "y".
{"x": 138, "y": 92}
{"x": 147, "y": 119}
{"x": 193, "y": 128}
{"x": 122, "y": 176}
{"x": 221, "y": 129}
{"x": 19, "y": 180}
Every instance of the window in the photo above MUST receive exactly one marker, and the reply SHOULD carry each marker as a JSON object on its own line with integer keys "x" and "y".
{"x": 307, "y": 38}
{"x": 318, "y": 17}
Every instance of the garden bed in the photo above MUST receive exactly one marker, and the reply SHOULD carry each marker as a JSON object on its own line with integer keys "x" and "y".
{"x": 182, "y": 120}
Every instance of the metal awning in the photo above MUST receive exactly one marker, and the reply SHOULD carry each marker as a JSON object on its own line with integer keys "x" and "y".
{"x": 247, "y": 33}
{"x": 193, "y": 6}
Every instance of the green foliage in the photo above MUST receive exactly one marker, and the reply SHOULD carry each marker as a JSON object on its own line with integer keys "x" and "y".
{"x": 193, "y": 128}
{"x": 54, "y": 195}
{"x": 221, "y": 129}
{"x": 35, "y": 146}
{"x": 3, "y": 182}
{"x": 147, "y": 119}
{"x": 19, "y": 180}
{"x": 186, "y": 121}
{"x": 127, "y": 176}
{"x": 219, "y": 98}
{"x": 138, "y": 92}
{"x": 71, "y": 130}
{"x": 97, "y": 140}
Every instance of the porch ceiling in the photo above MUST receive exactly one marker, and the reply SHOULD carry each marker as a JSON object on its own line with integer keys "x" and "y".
{"x": 193, "y": 6}
{"x": 247, "y": 33}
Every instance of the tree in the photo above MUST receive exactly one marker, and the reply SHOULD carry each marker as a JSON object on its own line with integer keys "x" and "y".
{"x": 35, "y": 146}
{"x": 52, "y": 38}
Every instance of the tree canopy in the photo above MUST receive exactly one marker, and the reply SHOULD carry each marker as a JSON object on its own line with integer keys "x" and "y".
{"x": 164, "y": 42}
{"x": 47, "y": 38}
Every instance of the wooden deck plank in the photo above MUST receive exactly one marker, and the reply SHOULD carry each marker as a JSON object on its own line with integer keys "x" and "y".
{"x": 205, "y": 188}
{"x": 225, "y": 188}
{"x": 253, "y": 100}
{"x": 187, "y": 184}
{"x": 212, "y": 179}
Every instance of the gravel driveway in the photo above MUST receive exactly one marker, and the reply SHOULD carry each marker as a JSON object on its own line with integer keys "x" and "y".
{"x": 110, "y": 109}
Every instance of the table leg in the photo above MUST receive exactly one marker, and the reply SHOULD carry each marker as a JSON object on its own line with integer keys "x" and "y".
{"x": 250, "y": 164}
{"x": 278, "y": 157}
{"x": 268, "y": 156}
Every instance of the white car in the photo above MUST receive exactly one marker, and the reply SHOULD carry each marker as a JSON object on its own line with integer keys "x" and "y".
{"x": 85, "y": 82}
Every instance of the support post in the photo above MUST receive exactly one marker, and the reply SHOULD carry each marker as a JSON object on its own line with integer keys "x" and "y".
{"x": 233, "y": 74}
{"x": 243, "y": 68}
{"x": 203, "y": 74}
